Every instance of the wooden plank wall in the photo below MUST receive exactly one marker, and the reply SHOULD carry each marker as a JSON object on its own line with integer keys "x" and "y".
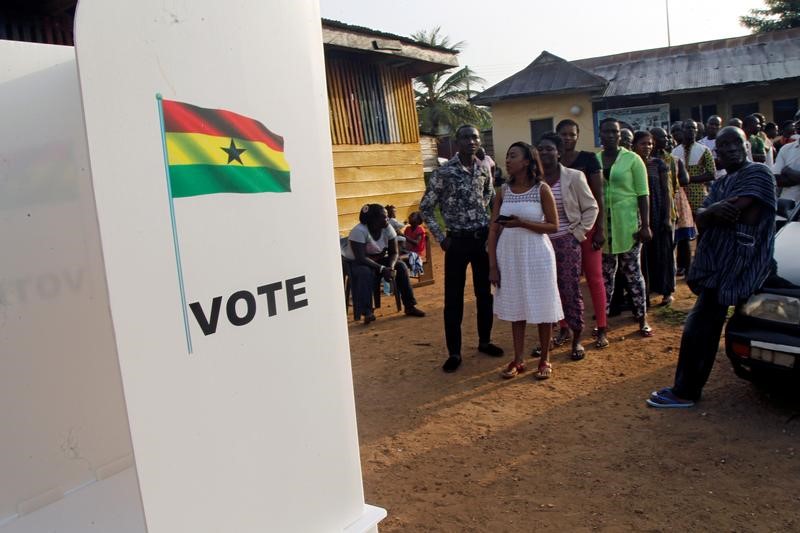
{"x": 376, "y": 173}
{"x": 375, "y": 133}
{"x": 369, "y": 103}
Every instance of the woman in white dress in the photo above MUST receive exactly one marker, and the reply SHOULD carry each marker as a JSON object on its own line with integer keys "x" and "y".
{"x": 522, "y": 265}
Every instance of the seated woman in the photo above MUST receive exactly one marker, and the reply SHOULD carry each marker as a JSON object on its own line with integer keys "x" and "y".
{"x": 372, "y": 251}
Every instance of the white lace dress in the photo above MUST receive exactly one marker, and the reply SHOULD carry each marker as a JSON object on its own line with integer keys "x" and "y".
{"x": 527, "y": 264}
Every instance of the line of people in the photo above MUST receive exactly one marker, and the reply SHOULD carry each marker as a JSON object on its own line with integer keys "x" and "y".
{"x": 563, "y": 213}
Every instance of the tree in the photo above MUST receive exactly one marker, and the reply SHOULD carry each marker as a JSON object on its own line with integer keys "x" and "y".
{"x": 443, "y": 97}
{"x": 778, "y": 15}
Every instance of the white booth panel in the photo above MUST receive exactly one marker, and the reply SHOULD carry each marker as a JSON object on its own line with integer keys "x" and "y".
{"x": 252, "y": 428}
{"x": 62, "y": 413}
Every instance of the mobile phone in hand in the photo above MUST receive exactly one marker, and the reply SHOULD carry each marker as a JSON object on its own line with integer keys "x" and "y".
{"x": 502, "y": 218}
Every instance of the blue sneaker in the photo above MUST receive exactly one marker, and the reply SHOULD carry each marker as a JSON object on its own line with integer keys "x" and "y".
{"x": 665, "y": 399}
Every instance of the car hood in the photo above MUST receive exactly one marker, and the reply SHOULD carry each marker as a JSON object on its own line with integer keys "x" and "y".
{"x": 785, "y": 274}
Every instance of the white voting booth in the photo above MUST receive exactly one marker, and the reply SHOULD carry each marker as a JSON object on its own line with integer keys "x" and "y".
{"x": 173, "y": 361}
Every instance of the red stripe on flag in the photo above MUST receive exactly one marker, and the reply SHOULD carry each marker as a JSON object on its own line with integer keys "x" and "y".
{"x": 180, "y": 117}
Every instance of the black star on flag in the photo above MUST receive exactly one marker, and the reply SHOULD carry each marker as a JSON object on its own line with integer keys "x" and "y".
{"x": 234, "y": 152}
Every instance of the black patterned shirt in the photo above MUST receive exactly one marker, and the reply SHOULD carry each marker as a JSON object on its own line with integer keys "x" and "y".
{"x": 462, "y": 195}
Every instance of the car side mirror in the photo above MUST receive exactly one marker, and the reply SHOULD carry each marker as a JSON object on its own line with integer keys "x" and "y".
{"x": 785, "y": 207}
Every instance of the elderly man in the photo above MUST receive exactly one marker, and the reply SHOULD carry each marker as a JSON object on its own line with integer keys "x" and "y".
{"x": 462, "y": 188}
{"x": 737, "y": 224}
{"x": 626, "y": 138}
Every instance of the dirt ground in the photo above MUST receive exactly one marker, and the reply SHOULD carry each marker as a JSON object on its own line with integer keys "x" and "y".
{"x": 581, "y": 452}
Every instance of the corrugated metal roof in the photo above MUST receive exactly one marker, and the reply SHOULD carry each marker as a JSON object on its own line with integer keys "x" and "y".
{"x": 547, "y": 74}
{"x": 754, "y": 58}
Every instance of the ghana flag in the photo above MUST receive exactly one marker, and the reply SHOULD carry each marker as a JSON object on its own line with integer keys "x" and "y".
{"x": 213, "y": 151}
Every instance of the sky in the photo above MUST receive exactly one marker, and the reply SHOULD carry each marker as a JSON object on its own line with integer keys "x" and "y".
{"x": 504, "y": 36}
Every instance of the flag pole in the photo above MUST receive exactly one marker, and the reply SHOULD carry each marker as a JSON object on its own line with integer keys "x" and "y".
{"x": 174, "y": 227}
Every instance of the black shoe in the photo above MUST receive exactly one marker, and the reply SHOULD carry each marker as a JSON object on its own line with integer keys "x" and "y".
{"x": 413, "y": 311}
{"x": 490, "y": 349}
{"x": 452, "y": 363}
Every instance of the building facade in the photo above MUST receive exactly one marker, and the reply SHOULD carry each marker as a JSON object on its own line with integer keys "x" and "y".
{"x": 726, "y": 77}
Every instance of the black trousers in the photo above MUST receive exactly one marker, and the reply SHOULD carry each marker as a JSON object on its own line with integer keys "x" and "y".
{"x": 699, "y": 345}
{"x": 364, "y": 279}
{"x": 683, "y": 258}
{"x": 463, "y": 252}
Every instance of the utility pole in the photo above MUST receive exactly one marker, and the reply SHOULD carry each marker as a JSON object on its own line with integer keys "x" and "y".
{"x": 669, "y": 41}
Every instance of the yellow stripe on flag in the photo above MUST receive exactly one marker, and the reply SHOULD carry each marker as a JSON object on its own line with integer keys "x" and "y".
{"x": 201, "y": 149}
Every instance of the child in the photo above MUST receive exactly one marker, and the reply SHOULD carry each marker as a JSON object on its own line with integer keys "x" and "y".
{"x": 415, "y": 235}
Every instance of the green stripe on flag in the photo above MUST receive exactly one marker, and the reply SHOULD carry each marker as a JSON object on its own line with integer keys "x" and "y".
{"x": 194, "y": 180}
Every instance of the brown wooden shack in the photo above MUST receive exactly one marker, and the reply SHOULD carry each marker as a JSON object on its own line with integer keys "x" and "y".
{"x": 377, "y": 156}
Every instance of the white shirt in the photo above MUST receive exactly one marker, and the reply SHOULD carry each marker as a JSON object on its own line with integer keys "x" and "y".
{"x": 360, "y": 233}
{"x": 788, "y": 156}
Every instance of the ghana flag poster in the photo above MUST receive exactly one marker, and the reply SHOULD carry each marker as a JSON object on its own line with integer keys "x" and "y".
{"x": 211, "y": 151}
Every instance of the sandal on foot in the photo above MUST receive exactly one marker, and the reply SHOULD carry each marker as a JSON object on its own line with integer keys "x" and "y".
{"x": 545, "y": 371}
{"x": 601, "y": 342}
{"x": 512, "y": 370}
{"x": 578, "y": 353}
{"x": 561, "y": 337}
{"x": 666, "y": 301}
{"x": 646, "y": 331}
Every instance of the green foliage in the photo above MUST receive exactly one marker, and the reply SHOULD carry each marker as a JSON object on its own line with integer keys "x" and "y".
{"x": 778, "y": 15}
{"x": 443, "y": 97}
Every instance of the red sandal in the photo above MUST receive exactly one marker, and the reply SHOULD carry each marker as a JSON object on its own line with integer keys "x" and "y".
{"x": 512, "y": 370}
{"x": 545, "y": 371}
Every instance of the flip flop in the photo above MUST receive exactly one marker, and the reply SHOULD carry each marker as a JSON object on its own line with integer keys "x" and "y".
{"x": 601, "y": 343}
{"x": 560, "y": 338}
{"x": 646, "y": 331}
{"x": 578, "y": 353}
{"x": 665, "y": 399}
